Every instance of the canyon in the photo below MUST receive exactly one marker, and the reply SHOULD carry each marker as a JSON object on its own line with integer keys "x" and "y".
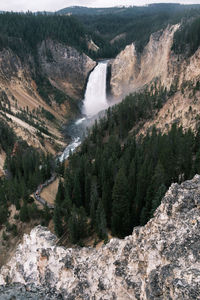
{"x": 158, "y": 66}
{"x": 157, "y": 261}
{"x": 67, "y": 71}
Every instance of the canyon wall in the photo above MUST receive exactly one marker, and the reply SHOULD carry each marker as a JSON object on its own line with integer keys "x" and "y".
{"x": 158, "y": 261}
{"x": 66, "y": 68}
{"x": 22, "y": 79}
{"x": 131, "y": 70}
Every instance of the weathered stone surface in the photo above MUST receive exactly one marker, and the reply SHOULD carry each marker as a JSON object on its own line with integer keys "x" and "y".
{"x": 158, "y": 261}
{"x": 131, "y": 70}
{"x": 66, "y": 68}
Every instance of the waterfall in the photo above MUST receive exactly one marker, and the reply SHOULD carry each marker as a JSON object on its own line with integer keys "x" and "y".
{"x": 94, "y": 101}
{"x": 95, "y": 95}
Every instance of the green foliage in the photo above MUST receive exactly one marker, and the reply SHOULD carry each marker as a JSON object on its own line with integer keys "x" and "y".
{"x": 48, "y": 115}
{"x": 3, "y": 214}
{"x": 187, "y": 38}
{"x": 58, "y": 221}
{"x": 134, "y": 24}
{"x": 24, "y": 31}
{"x": 77, "y": 225}
{"x": 7, "y": 137}
{"x": 120, "y": 205}
{"x": 24, "y": 215}
{"x": 120, "y": 179}
{"x": 101, "y": 224}
{"x": 25, "y": 170}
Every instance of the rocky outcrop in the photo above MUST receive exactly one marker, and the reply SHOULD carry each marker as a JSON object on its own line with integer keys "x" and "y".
{"x": 124, "y": 70}
{"x": 158, "y": 261}
{"x": 21, "y": 90}
{"x": 66, "y": 68}
{"x": 131, "y": 70}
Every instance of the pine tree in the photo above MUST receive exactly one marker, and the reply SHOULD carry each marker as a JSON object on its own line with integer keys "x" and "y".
{"x": 101, "y": 221}
{"x": 24, "y": 216}
{"x": 76, "y": 195}
{"x": 121, "y": 207}
{"x": 158, "y": 197}
{"x": 77, "y": 225}
{"x": 60, "y": 193}
{"x": 57, "y": 218}
{"x": 47, "y": 214}
{"x": 94, "y": 198}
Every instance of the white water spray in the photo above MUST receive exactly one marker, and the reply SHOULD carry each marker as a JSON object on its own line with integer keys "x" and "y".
{"x": 94, "y": 101}
{"x": 95, "y": 95}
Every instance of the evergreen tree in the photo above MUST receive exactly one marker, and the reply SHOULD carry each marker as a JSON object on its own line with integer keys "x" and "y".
{"x": 158, "y": 197}
{"x": 101, "y": 221}
{"x": 94, "y": 199}
{"x": 24, "y": 216}
{"x": 76, "y": 194}
{"x": 121, "y": 206}
{"x": 77, "y": 225}
{"x": 60, "y": 193}
{"x": 57, "y": 218}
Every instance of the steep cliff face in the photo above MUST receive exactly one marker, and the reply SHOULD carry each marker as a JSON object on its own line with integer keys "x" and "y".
{"x": 24, "y": 108}
{"x": 130, "y": 70}
{"x": 158, "y": 261}
{"x": 65, "y": 67}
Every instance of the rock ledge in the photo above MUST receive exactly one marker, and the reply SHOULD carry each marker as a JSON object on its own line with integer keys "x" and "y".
{"x": 158, "y": 261}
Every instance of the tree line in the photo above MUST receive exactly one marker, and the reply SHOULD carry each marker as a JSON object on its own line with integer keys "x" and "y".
{"x": 117, "y": 180}
{"x": 187, "y": 38}
{"x": 26, "y": 168}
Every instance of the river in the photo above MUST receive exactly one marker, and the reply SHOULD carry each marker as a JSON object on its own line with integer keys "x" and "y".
{"x": 94, "y": 102}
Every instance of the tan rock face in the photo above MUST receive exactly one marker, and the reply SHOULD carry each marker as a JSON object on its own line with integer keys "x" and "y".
{"x": 124, "y": 70}
{"x": 130, "y": 71}
{"x": 158, "y": 261}
{"x": 66, "y": 68}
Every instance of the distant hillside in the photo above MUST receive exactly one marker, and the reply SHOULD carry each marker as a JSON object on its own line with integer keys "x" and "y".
{"x": 22, "y": 32}
{"x": 119, "y": 26}
{"x": 123, "y": 10}
{"x": 82, "y": 10}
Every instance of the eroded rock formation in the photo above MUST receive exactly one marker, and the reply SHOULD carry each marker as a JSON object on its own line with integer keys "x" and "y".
{"x": 131, "y": 70}
{"x": 66, "y": 68}
{"x": 158, "y": 261}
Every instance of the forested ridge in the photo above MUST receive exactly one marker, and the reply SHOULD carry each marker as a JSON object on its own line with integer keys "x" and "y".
{"x": 187, "y": 38}
{"x": 23, "y": 32}
{"x": 25, "y": 169}
{"x": 132, "y": 24}
{"x": 116, "y": 180}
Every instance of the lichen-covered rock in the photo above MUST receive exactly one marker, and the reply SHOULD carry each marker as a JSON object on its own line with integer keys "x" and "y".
{"x": 158, "y": 261}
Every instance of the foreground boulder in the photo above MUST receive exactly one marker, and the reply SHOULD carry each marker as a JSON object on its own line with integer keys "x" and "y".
{"x": 158, "y": 261}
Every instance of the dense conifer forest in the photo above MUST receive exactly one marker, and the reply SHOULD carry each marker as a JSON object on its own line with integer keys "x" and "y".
{"x": 25, "y": 169}
{"x": 133, "y": 24}
{"x": 187, "y": 39}
{"x": 23, "y": 32}
{"x": 117, "y": 179}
